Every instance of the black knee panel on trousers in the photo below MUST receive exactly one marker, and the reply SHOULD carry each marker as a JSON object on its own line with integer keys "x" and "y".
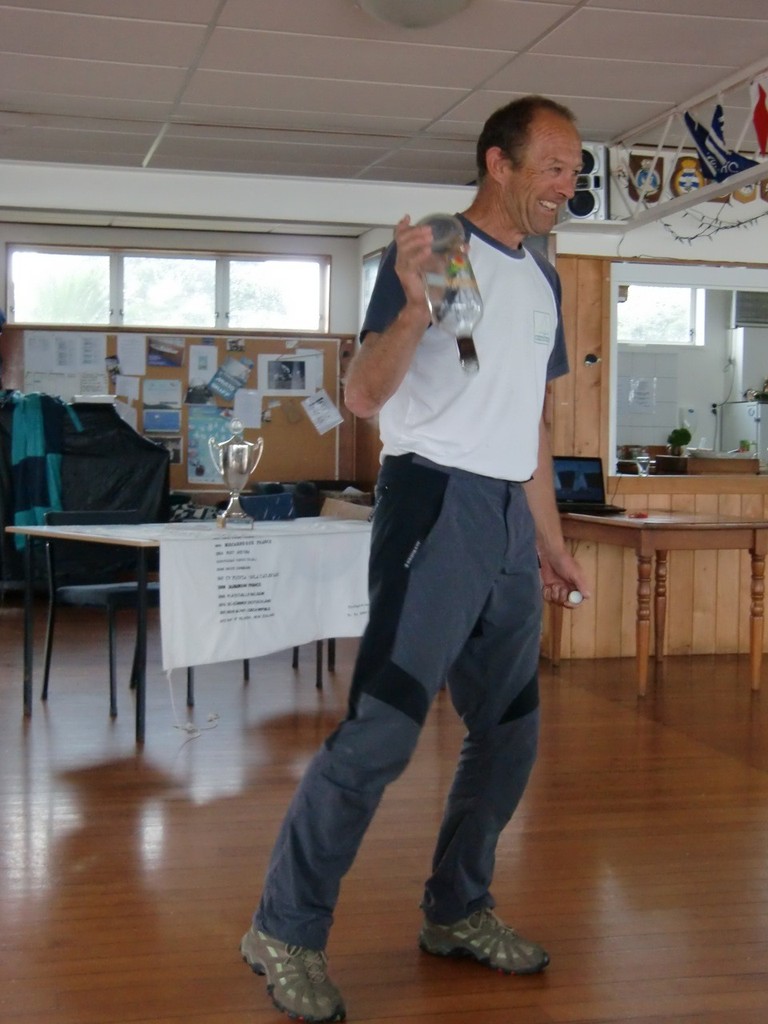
{"x": 524, "y": 703}
{"x": 400, "y": 690}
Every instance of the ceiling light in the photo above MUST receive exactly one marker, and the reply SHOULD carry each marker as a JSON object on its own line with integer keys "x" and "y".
{"x": 413, "y": 13}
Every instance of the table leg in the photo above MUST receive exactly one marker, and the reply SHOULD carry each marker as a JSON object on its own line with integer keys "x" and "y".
{"x": 757, "y": 590}
{"x": 319, "y": 664}
{"x": 643, "y": 624}
{"x": 141, "y": 644}
{"x": 29, "y": 626}
{"x": 660, "y": 604}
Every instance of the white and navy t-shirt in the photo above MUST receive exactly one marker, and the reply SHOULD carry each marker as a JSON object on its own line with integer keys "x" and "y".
{"x": 486, "y": 423}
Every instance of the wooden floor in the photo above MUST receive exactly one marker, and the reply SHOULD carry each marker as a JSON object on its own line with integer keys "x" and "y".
{"x": 639, "y": 856}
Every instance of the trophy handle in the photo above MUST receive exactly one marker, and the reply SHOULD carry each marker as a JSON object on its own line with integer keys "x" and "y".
{"x": 256, "y": 453}
{"x": 215, "y": 449}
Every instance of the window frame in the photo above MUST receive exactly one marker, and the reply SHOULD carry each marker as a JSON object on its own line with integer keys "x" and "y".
{"x": 696, "y": 318}
{"x": 222, "y": 260}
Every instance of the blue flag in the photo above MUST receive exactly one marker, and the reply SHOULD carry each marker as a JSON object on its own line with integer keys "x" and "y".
{"x": 717, "y": 161}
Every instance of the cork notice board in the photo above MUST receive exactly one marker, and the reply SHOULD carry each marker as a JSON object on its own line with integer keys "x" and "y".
{"x": 180, "y": 389}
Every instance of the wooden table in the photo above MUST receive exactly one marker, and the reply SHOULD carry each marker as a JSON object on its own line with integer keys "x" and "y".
{"x": 653, "y": 536}
{"x": 304, "y": 579}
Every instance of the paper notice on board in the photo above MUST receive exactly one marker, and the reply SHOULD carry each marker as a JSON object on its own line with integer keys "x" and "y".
{"x": 232, "y": 375}
{"x": 203, "y": 363}
{"x": 61, "y": 385}
{"x": 247, "y": 407}
{"x": 93, "y": 383}
{"x": 132, "y": 354}
{"x": 127, "y": 387}
{"x": 91, "y": 353}
{"x": 127, "y": 413}
{"x": 322, "y": 412}
{"x": 64, "y": 352}
{"x": 162, "y": 392}
{"x": 65, "y": 385}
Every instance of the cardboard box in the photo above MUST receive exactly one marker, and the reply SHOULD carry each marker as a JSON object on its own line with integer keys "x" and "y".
{"x": 341, "y": 509}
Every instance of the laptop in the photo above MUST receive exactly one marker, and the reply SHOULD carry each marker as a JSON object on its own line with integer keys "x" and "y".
{"x": 580, "y": 486}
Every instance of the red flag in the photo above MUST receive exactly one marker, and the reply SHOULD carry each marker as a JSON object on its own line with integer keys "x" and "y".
{"x": 760, "y": 113}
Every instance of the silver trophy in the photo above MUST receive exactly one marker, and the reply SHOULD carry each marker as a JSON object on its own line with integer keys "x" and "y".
{"x": 235, "y": 459}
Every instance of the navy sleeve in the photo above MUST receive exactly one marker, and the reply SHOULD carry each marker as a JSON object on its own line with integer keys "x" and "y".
{"x": 387, "y": 298}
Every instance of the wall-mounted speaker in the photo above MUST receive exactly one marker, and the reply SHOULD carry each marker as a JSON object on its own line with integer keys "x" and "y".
{"x": 590, "y": 201}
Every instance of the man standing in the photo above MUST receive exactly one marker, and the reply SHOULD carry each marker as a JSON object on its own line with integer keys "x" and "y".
{"x": 466, "y": 538}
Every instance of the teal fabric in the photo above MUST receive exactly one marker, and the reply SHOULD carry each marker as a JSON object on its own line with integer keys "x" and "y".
{"x": 36, "y": 450}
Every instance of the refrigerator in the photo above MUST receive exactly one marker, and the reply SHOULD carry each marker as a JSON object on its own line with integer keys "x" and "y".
{"x": 744, "y": 421}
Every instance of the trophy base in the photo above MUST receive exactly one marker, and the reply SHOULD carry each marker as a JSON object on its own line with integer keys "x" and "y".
{"x": 234, "y": 515}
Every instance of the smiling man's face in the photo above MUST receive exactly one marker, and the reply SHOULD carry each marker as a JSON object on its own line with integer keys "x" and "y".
{"x": 534, "y": 191}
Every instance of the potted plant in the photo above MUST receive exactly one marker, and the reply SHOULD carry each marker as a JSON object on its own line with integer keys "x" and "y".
{"x": 678, "y": 439}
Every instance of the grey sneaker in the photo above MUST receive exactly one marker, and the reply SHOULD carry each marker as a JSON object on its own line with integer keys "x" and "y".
{"x": 296, "y": 978}
{"x": 486, "y": 939}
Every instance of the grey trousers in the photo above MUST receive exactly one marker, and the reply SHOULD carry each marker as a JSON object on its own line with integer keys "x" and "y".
{"x": 456, "y": 598}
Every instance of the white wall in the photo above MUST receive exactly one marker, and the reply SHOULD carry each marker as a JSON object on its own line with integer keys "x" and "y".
{"x": 70, "y": 205}
{"x": 732, "y": 232}
{"x": 249, "y": 213}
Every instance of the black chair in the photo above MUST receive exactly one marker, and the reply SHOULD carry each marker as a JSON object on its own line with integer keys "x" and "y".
{"x": 113, "y": 595}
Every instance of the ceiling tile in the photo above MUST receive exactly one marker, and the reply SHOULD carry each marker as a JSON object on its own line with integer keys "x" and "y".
{"x": 257, "y": 86}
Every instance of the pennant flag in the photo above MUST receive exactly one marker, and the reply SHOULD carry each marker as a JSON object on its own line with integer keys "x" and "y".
{"x": 759, "y": 91}
{"x": 717, "y": 161}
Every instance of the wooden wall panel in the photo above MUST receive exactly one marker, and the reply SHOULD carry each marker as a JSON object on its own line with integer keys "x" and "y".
{"x": 580, "y": 399}
{"x": 704, "y": 585}
{"x": 707, "y": 592}
{"x": 609, "y": 567}
{"x": 627, "y": 587}
{"x": 727, "y": 586}
{"x": 563, "y": 391}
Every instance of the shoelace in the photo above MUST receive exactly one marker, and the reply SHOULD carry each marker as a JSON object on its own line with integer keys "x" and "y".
{"x": 476, "y": 920}
{"x": 499, "y": 930}
{"x": 314, "y": 961}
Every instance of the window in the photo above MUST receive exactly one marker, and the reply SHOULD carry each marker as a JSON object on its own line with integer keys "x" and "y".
{"x": 215, "y": 291}
{"x": 660, "y": 315}
{"x": 59, "y": 288}
{"x": 163, "y": 291}
{"x": 283, "y": 294}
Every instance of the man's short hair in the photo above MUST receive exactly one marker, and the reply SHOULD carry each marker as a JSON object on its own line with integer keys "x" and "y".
{"x": 508, "y": 128}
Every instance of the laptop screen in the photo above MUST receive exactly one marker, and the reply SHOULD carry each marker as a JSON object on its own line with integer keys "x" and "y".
{"x": 578, "y": 479}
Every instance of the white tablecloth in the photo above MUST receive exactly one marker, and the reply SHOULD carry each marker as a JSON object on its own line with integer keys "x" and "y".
{"x": 241, "y": 592}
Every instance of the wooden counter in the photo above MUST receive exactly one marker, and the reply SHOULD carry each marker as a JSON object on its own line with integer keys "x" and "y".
{"x": 698, "y": 466}
{"x": 652, "y": 536}
{"x": 706, "y": 613}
